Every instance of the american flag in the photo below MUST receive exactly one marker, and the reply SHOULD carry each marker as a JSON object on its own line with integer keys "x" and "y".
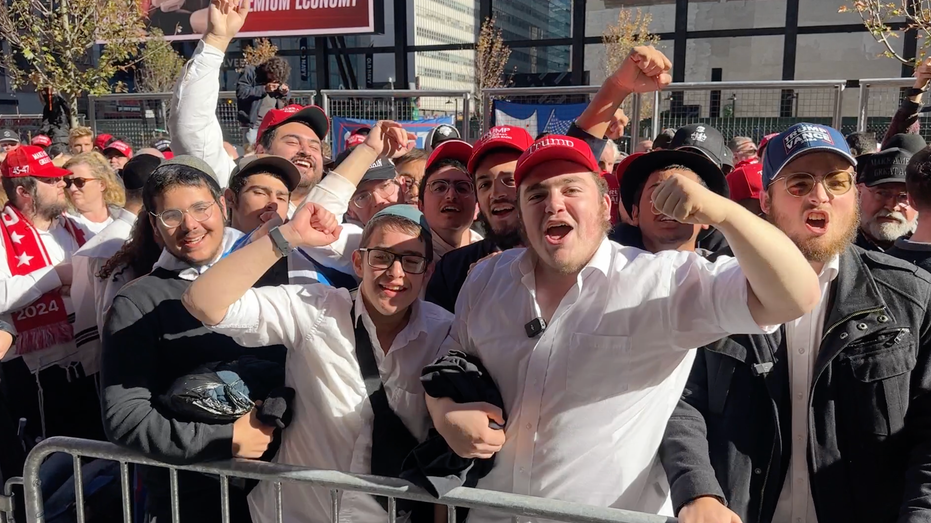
{"x": 557, "y": 126}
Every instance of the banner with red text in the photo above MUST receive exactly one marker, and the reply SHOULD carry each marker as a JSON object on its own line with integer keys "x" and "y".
{"x": 187, "y": 19}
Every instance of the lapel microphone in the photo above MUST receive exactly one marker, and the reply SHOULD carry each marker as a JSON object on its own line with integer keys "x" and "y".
{"x": 535, "y": 327}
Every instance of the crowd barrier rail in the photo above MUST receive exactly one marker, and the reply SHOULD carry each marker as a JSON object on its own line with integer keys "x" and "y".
{"x": 518, "y": 506}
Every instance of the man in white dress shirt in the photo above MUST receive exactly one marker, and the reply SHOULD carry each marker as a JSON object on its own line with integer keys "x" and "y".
{"x": 339, "y": 422}
{"x": 588, "y": 341}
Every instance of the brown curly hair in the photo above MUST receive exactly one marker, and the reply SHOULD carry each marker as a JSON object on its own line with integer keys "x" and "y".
{"x": 275, "y": 70}
{"x": 138, "y": 255}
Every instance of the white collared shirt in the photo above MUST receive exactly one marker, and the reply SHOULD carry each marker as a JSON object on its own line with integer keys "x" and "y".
{"x": 588, "y": 400}
{"x": 803, "y": 340}
{"x": 332, "y": 425}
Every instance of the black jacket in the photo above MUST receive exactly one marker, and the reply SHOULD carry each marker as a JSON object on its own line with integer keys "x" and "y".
{"x": 451, "y": 272}
{"x": 869, "y": 448}
{"x": 250, "y": 89}
{"x": 149, "y": 341}
{"x": 864, "y": 242}
{"x": 917, "y": 253}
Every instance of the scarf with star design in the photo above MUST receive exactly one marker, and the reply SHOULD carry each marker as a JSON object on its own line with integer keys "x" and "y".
{"x": 44, "y": 322}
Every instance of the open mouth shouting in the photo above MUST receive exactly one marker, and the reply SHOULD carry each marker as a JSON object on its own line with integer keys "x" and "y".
{"x": 502, "y": 210}
{"x": 450, "y": 209}
{"x": 817, "y": 222}
{"x": 555, "y": 232}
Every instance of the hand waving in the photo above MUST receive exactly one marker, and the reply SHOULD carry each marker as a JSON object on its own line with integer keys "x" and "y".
{"x": 645, "y": 70}
{"x": 225, "y": 19}
{"x": 311, "y": 226}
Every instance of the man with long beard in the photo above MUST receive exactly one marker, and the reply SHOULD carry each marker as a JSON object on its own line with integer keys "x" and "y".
{"x": 827, "y": 418}
{"x": 885, "y": 213}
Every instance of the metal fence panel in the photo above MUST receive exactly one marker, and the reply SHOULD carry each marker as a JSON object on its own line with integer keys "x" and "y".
{"x": 141, "y": 118}
{"x": 880, "y": 98}
{"x": 402, "y": 104}
{"x": 511, "y": 504}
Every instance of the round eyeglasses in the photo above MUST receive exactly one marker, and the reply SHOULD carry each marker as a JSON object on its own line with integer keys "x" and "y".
{"x": 172, "y": 218}
{"x": 835, "y": 183}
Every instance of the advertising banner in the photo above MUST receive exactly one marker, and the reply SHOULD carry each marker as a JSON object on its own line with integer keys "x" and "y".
{"x": 187, "y": 19}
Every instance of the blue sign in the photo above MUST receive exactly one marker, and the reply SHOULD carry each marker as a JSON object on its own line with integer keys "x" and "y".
{"x": 537, "y": 118}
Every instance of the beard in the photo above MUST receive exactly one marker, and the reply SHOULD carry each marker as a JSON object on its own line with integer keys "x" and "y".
{"x": 820, "y": 249}
{"x": 311, "y": 178}
{"x": 889, "y": 231}
{"x": 51, "y": 209}
{"x": 503, "y": 239}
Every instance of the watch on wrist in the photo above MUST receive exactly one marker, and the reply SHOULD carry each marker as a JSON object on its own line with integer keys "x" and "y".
{"x": 282, "y": 247}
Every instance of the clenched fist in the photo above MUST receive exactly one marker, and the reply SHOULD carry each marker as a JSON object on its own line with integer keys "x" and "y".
{"x": 645, "y": 70}
{"x": 311, "y": 226}
{"x": 689, "y": 202}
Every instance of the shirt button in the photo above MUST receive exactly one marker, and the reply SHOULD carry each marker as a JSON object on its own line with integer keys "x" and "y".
{"x": 799, "y": 395}
{"x": 801, "y": 351}
{"x": 529, "y": 426}
{"x": 757, "y": 471}
{"x": 800, "y": 438}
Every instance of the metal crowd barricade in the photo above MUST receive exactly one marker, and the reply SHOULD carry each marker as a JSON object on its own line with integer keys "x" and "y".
{"x": 879, "y": 99}
{"x": 512, "y": 504}
{"x": 735, "y": 108}
{"x": 401, "y": 104}
{"x": 143, "y": 117}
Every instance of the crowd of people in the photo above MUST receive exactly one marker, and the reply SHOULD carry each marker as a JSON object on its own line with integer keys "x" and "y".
{"x": 709, "y": 328}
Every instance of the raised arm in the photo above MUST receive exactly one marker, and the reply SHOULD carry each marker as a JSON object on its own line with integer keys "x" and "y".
{"x": 782, "y": 285}
{"x": 193, "y": 123}
{"x": 645, "y": 70}
{"x": 208, "y": 299}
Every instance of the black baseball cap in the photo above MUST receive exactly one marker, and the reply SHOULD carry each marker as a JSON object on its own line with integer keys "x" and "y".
{"x": 702, "y": 139}
{"x": 908, "y": 142}
{"x": 641, "y": 168}
{"x": 137, "y": 171}
{"x": 381, "y": 168}
{"x": 9, "y": 135}
{"x": 261, "y": 163}
{"x": 440, "y": 134}
{"x": 887, "y": 166}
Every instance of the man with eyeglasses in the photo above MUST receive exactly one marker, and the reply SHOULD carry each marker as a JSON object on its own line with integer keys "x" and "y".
{"x": 447, "y": 197}
{"x": 885, "y": 213}
{"x": 827, "y": 418}
{"x": 149, "y": 341}
{"x": 354, "y": 358}
{"x": 53, "y": 381}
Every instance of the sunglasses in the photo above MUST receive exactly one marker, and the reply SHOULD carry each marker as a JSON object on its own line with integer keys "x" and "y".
{"x": 800, "y": 184}
{"x": 77, "y": 182}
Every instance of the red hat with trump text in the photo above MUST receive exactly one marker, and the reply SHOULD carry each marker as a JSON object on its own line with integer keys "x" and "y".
{"x": 555, "y": 147}
{"x": 311, "y": 116}
{"x": 30, "y": 160}
{"x": 500, "y": 137}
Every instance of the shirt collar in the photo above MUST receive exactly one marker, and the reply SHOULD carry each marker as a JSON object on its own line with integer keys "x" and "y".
{"x": 600, "y": 261}
{"x": 829, "y": 272}
{"x": 189, "y": 272}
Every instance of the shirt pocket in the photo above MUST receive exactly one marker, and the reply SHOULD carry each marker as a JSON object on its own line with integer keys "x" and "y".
{"x": 880, "y": 366}
{"x": 598, "y": 366}
{"x": 411, "y": 407}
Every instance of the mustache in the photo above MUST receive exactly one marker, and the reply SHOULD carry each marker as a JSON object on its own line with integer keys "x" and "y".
{"x": 894, "y": 215}
{"x": 309, "y": 159}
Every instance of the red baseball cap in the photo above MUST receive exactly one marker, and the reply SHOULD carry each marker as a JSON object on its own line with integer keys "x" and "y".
{"x": 354, "y": 140}
{"x": 746, "y": 181}
{"x": 120, "y": 147}
{"x": 555, "y": 147}
{"x": 41, "y": 140}
{"x": 311, "y": 116}
{"x": 500, "y": 137}
{"x": 622, "y": 166}
{"x": 30, "y": 160}
{"x": 101, "y": 141}
{"x": 450, "y": 149}
{"x": 763, "y": 142}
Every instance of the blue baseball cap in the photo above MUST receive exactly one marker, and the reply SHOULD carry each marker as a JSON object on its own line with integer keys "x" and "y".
{"x": 798, "y": 140}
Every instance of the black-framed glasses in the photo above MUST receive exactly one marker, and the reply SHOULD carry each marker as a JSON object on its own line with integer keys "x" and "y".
{"x": 172, "y": 218}
{"x": 883, "y": 195}
{"x": 384, "y": 259}
{"x": 462, "y": 187}
{"x": 836, "y": 183}
{"x": 386, "y": 190}
{"x": 77, "y": 182}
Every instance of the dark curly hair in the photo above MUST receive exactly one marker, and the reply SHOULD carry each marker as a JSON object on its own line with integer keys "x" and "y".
{"x": 138, "y": 255}
{"x": 275, "y": 70}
